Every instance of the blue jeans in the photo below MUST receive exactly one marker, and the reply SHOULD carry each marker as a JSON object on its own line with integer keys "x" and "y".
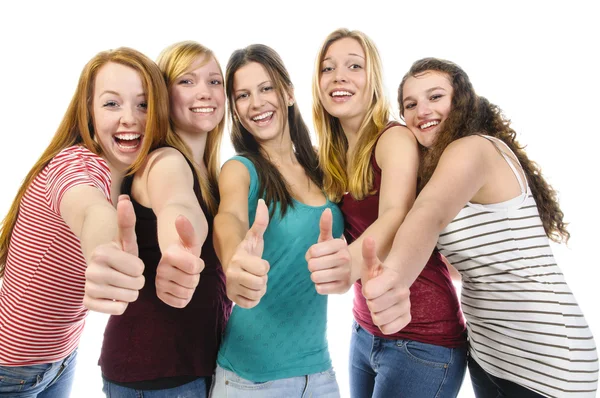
{"x": 48, "y": 380}
{"x": 385, "y": 368}
{"x": 227, "y": 384}
{"x": 195, "y": 389}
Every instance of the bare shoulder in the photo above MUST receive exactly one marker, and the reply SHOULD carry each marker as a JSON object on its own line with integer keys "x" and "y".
{"x": 396, "y": 141}
{"x": 470, "y": 147}
{"x": 234, "y": 172}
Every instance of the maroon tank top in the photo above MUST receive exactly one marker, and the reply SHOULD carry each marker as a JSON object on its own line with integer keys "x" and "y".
{"x": 153, "y": 345}
{"x": 435, "y": 310}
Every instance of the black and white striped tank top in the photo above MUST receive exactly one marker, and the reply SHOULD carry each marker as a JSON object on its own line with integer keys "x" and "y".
{"x": 523, "y": 321}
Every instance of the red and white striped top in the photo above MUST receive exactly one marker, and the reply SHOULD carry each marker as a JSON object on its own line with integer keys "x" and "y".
{"x": 41, "y": 310}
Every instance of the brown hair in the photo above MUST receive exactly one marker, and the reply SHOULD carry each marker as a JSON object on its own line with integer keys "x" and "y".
{"x": 77, "y": 125}
{"x": 472, "y": 114}
{"x": 272, "y": 185}
{"x": 333, "y": 144}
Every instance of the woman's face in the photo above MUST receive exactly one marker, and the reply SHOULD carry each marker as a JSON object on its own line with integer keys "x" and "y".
{"x": 427, "y": 100}
{"x": 257, "y": 103}
{"x": 119, "y": 114}
{"x": 343, "y": 81}
{"x": 198, "y": 98}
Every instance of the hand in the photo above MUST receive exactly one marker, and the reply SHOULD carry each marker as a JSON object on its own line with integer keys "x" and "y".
{"x": 387, "y": 297}
{"x": 246, "y": 275}
{"x": 329, "y": 260}
{"x": 178, "y": 272}
{"x": 113, "y": 276}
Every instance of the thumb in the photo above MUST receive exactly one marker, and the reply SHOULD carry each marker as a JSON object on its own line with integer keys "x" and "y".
{"x": 187, "y": 235}
{"x": 258, "y": 228}
{"x": 126, "y": 225}
{"x": 371, "y": 263}
{"x": 326, "y": 226}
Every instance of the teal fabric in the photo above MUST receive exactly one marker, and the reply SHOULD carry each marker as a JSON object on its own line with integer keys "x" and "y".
{"x": 285, "y": 334}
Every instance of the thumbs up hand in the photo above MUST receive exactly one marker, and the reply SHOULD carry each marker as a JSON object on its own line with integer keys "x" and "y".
{"x": 178, "y": 272}
{"x": 246, "y": 275}
{"x": 387, "y": 298}
{"x": 113, "y": 276}
{"x": 329, "y": 260}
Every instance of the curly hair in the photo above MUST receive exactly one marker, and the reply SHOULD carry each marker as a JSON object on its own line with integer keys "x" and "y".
{"x": 472, "y": 114}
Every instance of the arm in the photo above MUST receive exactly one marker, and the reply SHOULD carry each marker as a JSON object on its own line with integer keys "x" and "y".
{"x": 181, "y": 225}
{"x": 397, "y": 155}
{"x": 461, "y": 173}
{"x": 240, "y": 248}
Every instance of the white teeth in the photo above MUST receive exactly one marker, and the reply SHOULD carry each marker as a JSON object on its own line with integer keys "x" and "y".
{"x": 262, "y": 116}
{"x": 429, "y": 124}
{"x": 128, "y": 136}
{"x": 341, "y": 94}
{"x": 202, "y": 110}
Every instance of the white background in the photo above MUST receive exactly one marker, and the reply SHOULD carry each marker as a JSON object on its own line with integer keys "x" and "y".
{"x": 537, "y": 60}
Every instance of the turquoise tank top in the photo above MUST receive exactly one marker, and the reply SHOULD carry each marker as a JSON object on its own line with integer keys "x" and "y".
{"x": 285, "y": 334}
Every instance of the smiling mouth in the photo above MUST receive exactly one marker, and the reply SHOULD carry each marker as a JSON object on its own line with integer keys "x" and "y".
{"x": 429, "y": 124}
{"x": 263, "y": 118}
{"x": 128, "y": 141}
{"x": 341, "y": 94}
{"x": 203, "y": 110}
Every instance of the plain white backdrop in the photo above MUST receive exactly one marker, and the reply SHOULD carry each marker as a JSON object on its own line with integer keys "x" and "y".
{"x": 535, "y": 60}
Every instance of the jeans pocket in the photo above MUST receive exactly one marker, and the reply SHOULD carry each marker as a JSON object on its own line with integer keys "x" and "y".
{"x": 427, "y": 354}
{"x": 235, "y": 381}
{"x": 20, "y": 378}
{"x": 329, "y": 373}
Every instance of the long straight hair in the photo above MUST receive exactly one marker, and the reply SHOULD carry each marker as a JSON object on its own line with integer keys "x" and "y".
{"x": 272, "y": 186}
{"x": 356, "y": 177}
{"x": 77, "y": 125}
{"x": 472, "y": 114}
{"x": 174, "y": 61}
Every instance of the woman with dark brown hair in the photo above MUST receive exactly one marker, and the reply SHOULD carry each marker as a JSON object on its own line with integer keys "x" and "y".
{"x": 490, "y": 212}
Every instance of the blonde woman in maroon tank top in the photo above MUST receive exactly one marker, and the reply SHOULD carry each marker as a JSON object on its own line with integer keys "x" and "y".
{"x": 370, "y": 167}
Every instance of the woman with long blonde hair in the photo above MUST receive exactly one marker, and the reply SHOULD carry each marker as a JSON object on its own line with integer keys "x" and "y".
{"x": 370, "y": 167}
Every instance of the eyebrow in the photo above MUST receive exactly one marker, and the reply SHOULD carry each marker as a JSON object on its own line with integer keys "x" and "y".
{"x": 115, "y": 93}
{"x": 351, "y": 54}
{"x": 259, "y": 84}
{"x": 427, "y": 91}
{"x": 195, "y": 75}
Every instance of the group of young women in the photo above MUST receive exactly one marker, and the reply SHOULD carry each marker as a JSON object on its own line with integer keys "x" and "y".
{"x": 128, "y": 212}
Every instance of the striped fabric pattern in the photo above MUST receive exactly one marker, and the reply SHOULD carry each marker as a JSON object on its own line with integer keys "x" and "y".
{"x": 41, "y": 310}
{"x": 523, "y": 321}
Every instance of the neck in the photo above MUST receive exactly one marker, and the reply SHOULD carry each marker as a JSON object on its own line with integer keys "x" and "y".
{"x": 280, "y": 150}
{"x": 116, "y": 179}
{"x": 350, "y": 127}
{"x": 197, "y": 144}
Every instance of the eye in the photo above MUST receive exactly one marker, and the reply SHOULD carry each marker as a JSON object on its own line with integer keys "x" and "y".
{"x": 216, "y": 82}
{"x": 185, "y": 81}
{"x": 267, "y": 88}
{"x": 435, "y": 97}
{"x": 355, "y": 66}
{"x": 143, "y": 105}
{"x": 410, "y": 105}
{"x": 110, "y": 104}
{"x": 241, "y": 96}
{"x": 326, "y": 69}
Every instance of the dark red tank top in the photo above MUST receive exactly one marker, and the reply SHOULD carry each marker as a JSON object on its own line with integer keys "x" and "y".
{"x": 435, "y": 310}
{"x": 153, "y": 345}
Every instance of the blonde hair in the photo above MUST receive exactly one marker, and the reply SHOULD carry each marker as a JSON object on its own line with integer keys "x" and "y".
{"x": 77, "y": 125}
{"x": 333, "y": 145}
{"x": 174, "y": 61}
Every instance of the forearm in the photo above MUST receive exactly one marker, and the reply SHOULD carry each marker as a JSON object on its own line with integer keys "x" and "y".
{"x": 166, "y": 230}
{"x": 414, "y": 242}
{"x": 383, "y": 231}
{"x": 229, "y": 231}
{"x": 99, "y": 226}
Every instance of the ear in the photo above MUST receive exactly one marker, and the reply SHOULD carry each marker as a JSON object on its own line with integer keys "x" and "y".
{"x": 290, "y": 97}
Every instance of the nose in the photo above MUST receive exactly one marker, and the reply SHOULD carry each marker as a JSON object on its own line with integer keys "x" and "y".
{"x": 423, "y": 109}
{"x": 128, "y": 116}
{"x": 203, "y": 92}
{"x": 339, "y": 77}
{"x": 256, "y": 101}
